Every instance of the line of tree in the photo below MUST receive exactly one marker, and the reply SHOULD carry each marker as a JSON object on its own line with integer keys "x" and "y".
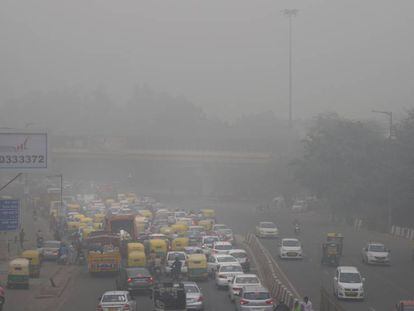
{"x": 357, "y": 171}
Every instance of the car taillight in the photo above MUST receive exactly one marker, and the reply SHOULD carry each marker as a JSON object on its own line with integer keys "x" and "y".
{"x": 99, "y": 308}
{"x": 243, "y": 302}
{"x": 150, "y": 280}
{"x": 222, "y": 276}
{"x": 129, "y": 280}
{"x": 269, "y": 302}
{"x": 236, "y": 289}
{"x": 126, "y": 307}
{"x": 201, "y": 298}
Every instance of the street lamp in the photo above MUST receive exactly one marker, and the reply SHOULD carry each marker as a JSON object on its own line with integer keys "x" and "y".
{"x": 389, "y": 208}
{"x": 289, "y": 13}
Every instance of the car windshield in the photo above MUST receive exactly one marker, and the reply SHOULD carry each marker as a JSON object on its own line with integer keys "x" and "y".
{"x": 247, "y": 280}
{"x": 191, "y": 289}
{"x": 230, "y": 269}
{"x": 113, "y": 298}
{"x": 267, "y": 225}
{"x": 172, "y": 256}
{"x": 291, "y": 243}
{"x": 226, "y": 259}
{"x": 239, "y": 255}
{"x": 377, "y": 248}
{"x": 223, "y": 247}
{"x": 51, "y": 244}
{"x": 210, "y": 240}
{"x": 350, "y": 277}
{"x": 256, "y": 295}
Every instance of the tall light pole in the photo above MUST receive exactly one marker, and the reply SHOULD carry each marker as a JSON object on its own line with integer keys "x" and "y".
{"x": 389, "y": 207}
{"x": 289, "y": 13}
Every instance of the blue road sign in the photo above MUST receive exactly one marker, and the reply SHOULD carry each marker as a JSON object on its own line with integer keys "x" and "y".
{"x": 9, "y": 215}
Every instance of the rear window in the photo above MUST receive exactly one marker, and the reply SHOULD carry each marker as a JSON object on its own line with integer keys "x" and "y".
{"x": 223, "y": 247}
{"x": 172, "y": 256}
{"x": 226, "y": 259}
{"x": 256, "y": 295}
{"x": 210, "y": 240}
{"x": 137, "y": 272}
{"x": 113, "y": 298}
{"x": 239, "y": 255}
{"x": 231, "y": 269}
{"x": 247, "y": 280}
{"x": 267, "y": 225}
{"x": 191, "y": 289}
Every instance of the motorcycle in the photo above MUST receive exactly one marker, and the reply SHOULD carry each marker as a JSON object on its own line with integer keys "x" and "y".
{"x": 39, "y": 242}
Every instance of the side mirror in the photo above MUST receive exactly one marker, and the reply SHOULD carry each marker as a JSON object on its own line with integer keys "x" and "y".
{"x": 363, "y": 280}
{"x": 335, "y": 278}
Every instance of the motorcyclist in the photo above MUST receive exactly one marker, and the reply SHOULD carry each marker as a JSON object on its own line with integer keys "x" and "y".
{"x": 176, "y": 267}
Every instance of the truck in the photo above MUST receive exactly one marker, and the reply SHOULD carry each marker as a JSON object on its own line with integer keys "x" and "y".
{"x": 103, "y": 253}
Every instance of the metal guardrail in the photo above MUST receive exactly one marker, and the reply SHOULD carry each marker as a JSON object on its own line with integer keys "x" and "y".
{"x": 270, "y": 276}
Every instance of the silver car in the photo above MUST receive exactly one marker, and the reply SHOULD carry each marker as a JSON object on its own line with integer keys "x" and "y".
{"x": 254, "y": 298}
{"x": 194, "y": 297}
{"x": 50, "y": 250}
{"x": 116, "y": 301}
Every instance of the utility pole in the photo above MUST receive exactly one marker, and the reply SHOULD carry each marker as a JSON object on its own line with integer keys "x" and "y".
{"x": 390, "y": 135}
{"x": 289, "y": 13}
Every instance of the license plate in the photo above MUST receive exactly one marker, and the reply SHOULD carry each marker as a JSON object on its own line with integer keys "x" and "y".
{"x": 140, "y": 281}
{"x": 352, "y": 294}
{"x": 291, "y": 254}
{"x": 113, "y": 309}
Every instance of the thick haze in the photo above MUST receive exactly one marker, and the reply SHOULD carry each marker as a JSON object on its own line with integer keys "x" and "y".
{"x": 228, "y": 56}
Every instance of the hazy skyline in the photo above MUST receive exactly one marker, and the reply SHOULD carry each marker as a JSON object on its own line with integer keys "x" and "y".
{"x": 228, "y": 57}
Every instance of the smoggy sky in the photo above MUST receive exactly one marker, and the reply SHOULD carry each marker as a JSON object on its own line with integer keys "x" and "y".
{"x": 228, "y": 56}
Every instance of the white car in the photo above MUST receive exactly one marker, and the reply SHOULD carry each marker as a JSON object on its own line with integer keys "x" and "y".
{"x": 217, "y": 227}
{"x": 117, "y": 300}
{"x": 221, "y": 248}
{"x": 348, "y": 283}
{"x": 226, "y": 272}
{"x": 214, "y": 261}
{"x": 267, "y": 229}
{"x": 239, "y": 281}
{"x": 376, "y": 253}
{"x": 171, "y": 258}
{"x": 241, "y": 256}
{"x": 226, "y": 235}
{"x": 290, "y": 249}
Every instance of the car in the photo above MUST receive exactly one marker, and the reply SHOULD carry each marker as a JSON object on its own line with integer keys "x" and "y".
{"x": 239, "y": 281}
{"x": 134, "y": 279}
{"x": 171, "y": 258}
{"x": 376, "y": 253}
{"x": 221, "y": 248}
{"x": 207, "y": 243}
{"x": 194, "y": 296}
{"x": 348, "y": 283}
{"x": 193, "y": 250}
{"x": 226, "y": 235}
{"x": 405, "y": 305}
{"x": 241, "y": 256}
{"x": 254, "y": 298}
{"x": 290, "y": 249}
{"x": 267, "y": 229}
{"x": 226, "y": 272}
{"x": 50, "y": 250}
{"x": 116, "y": 300}
{"x": 217, "y": 227}
{"x": 214, "y": 261}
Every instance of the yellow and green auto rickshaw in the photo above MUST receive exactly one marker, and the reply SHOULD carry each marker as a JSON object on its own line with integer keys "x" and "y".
{"x": 178, "y": 244}
{"x": 197, "y": 266}
{"x": 208, "y": 213}
{"x": 135, "y": 247}
{"x": 18, "y": 273}
{"x": 159, "y": 247}
{"x": 34, "y": 262}
{"x": 179, "y": 228}
{"x": 207, "y": 224}
{"x": 136, "y": 259}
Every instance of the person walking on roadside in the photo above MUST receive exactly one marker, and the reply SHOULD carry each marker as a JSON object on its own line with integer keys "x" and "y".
{"x": 306, "y": 304}
{"x": 22, "y": 234}
{"x": 297, "y": 306}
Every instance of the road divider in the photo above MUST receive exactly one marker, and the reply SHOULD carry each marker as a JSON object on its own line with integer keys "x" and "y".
{"x": 270, "y": 273}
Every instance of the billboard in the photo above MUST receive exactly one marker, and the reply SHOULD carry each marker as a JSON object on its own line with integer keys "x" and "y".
{"x": 23, "y": 151}
{"x": 9, "y": 215}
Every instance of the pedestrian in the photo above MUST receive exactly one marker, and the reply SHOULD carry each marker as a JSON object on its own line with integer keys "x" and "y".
{"x": 297, "y": 306}
{"x": 21, "y": 238}
{"x": 306, "y": 304}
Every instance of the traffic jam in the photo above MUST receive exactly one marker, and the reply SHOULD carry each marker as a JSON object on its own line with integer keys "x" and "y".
{"x": 151, "y": 250}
